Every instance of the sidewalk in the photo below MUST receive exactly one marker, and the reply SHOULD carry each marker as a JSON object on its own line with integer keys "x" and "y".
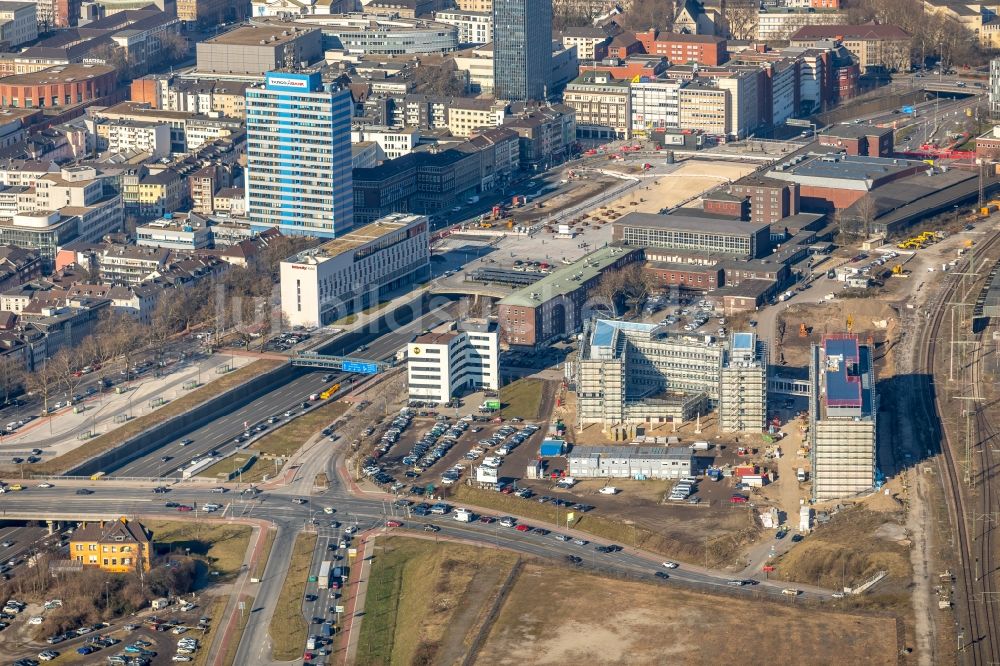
{"x": 231, "y": 614}
{"x": 352, "y": 621}
{"x": 58, "y": 432}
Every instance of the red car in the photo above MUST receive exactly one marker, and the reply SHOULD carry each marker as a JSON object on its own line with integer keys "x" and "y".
{"x": 393, "y": 523}
{"x": 184, "y": 507}
{"x": 522, "y": 528}
{"x": 738, "y": 499}
{"x": 487, "y": 519}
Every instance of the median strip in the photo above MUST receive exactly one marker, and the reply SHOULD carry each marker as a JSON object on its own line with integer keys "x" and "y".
{"x": 288, "y": 629}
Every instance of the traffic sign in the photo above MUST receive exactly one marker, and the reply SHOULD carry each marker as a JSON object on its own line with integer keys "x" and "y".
{"x": 338, "y": 609}
{"x": 907, "y": 109}
{"x": 796, "y": 122}
{"x": 361, "y": 368}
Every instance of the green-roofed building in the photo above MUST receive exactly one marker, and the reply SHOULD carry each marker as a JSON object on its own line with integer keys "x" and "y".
{"x": 556, "y": 304}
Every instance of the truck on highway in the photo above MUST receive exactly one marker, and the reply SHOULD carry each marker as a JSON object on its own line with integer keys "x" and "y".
{"x": 323, "y": 580}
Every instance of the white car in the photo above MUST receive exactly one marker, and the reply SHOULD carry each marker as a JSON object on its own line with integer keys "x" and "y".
{"x": 47, "y": 655}
{"x": 45, "y": 485}
{"x": 181, "y": 657}
{"x": 328, "y": 509}
{"x": 670, "y": 565}
{"x": 36, "y": 619}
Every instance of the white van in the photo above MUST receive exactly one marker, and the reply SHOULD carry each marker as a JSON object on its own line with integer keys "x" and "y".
{"x": 463, "y": 515}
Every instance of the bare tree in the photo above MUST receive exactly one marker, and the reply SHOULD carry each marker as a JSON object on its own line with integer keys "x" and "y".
{"x": 637, "y": 283}
{"x": 741, "y": 18}
{"x": 66, "y": 365}
{"x": 174, "y": 47}
{"x": 608, "y": 289}
{"x": 121, "y": 337}
{"x": 642, "y": 15}
{"x": 44, "y": 382}
{"x": 866, "y": 212}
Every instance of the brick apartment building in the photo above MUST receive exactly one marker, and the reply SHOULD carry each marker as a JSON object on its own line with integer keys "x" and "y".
{"x": 682, "y": 48}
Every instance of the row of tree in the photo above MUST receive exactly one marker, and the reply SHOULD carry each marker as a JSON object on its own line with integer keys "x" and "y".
{"x": 237, "y": 301}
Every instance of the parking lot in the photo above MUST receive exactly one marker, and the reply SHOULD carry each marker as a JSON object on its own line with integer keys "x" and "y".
{"x": 686, "y": 314}
{"x": 416, "y": 451}
{"x": 174, "y": 634}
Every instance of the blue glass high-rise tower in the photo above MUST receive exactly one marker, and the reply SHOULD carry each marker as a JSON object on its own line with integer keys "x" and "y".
{"x": 299, "y": 155}
{"x": 522, "y": 49}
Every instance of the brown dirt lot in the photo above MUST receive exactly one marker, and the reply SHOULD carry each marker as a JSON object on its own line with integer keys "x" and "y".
{"x": 871, "y": 318}
{"x": 854, "y": 545}
{"x": 636, "y": 519}
{"x": 546, "y": 621}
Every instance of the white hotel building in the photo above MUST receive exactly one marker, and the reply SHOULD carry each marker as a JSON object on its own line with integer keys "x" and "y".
{"x": 452, "y": 359}
{"x": 355, "y": 271}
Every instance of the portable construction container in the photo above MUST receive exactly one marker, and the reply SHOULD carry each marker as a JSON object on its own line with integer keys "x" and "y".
{"x": 552, "y": 448}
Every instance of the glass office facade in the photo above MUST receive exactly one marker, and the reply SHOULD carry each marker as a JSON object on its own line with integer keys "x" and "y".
{"x": 522, "y": 49}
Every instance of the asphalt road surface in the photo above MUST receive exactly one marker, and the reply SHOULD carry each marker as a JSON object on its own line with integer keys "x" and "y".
{"x": 219, "y": 435}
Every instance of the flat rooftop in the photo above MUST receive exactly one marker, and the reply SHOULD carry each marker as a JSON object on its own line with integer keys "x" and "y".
{"x": 852, "y": 131}
{"x": 253, "y": 35}
{"x": 604, "y": 331}
{"x": 359, "y": 237}
{"x": 843, "y": 386}
{"x": 638, "y": 452}
{"x": 568, "y": 278}
{"x": 838, "y": 167}
{"x": 743, "y": 342}
{"x": 846, "y": 371}
{"x": 58, "y": 74}
{"x": 695, "y": 223}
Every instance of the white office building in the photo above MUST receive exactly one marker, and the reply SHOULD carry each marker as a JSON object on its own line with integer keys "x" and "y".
{"x": 348, "y": 274}
{"x": 473, "y": 27}
{"x": 453, "y": 359}
{"x": 299, "y": 155}
{"x": 394, "y": 142}
{"x": 655, "y": 104}
{"x": 630, "y": 462}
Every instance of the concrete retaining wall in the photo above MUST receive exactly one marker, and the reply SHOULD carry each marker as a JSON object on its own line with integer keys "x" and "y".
{"x": 158, "y": 435}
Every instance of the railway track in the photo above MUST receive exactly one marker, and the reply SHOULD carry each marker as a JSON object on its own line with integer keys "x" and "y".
{"x": 976, "y": 510}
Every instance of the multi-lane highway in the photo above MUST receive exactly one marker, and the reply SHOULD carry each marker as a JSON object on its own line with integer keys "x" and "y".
{"x": 112, "y": 498}
{"x": 220, "y": 434}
